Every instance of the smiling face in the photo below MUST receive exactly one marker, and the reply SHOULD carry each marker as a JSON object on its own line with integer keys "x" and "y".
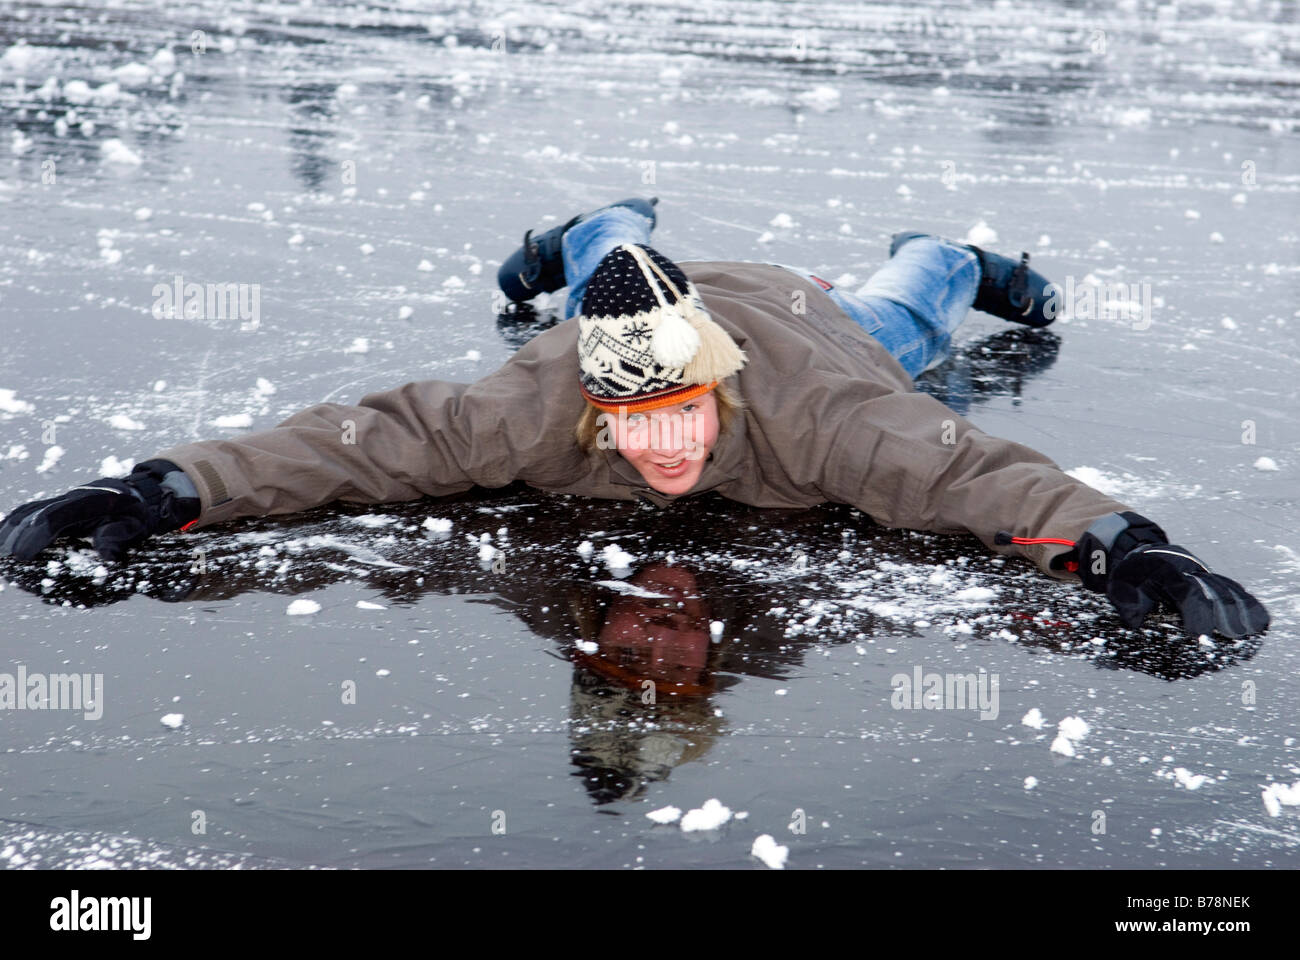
{"x": 669, "y": 445}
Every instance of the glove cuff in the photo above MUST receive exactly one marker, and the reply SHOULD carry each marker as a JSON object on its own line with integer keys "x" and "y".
{"x": 1108, "y": 541}
{"x": 163, "y": 487}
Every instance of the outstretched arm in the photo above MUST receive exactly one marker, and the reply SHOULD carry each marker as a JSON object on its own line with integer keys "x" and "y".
{"x": 429, "y": 437}
{"x": 419, "y": 439}
{"x": 426, "y": 438}
{"x": 909, "y": 461}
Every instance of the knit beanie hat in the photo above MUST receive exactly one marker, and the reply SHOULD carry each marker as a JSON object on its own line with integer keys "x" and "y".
{"x": 645, "y": 338}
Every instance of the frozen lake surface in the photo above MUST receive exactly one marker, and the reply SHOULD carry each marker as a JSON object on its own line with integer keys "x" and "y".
{"x": 366, "y": 168}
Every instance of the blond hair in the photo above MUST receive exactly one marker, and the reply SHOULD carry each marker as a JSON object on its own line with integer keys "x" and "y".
{"x": 728, "y": 399}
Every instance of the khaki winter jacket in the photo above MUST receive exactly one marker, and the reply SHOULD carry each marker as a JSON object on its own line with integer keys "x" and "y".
{"x": 830, "y": 416}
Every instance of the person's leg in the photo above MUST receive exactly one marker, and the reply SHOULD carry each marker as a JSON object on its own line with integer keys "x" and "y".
{"x": 585, "y": 244}
{"x": 915, "y": 302}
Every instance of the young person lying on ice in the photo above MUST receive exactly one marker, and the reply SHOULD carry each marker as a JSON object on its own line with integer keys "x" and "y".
{"x": 776, "y": 389}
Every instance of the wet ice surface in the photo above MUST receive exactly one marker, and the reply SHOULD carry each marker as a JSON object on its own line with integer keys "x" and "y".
{"x": 489, "y": 696}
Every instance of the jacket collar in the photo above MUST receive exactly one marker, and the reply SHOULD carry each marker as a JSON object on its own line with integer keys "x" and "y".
{"x": 725, "y": 463}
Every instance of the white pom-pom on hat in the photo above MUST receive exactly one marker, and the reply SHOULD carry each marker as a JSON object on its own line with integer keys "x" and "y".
{"x": 675, "y": 340}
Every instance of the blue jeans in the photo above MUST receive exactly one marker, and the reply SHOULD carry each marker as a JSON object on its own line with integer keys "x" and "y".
{"x": 911, "y": 305}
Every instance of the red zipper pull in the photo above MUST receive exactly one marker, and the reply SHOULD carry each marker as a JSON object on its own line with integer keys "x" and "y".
{"x": 1004, "y": 539}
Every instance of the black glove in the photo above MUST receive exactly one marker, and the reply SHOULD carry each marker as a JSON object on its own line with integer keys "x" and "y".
{"x": 1207, "y": 601}
{"x": 115, "y": 514}
{"x": 1129, "y": 558}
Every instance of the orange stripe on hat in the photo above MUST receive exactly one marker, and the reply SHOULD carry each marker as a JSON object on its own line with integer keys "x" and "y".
{"x": 668, "y": 399}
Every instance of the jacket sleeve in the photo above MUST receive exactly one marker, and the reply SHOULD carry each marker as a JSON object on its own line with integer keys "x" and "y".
{"x": 909, "y": 461}
{"x": 427, "y": 438}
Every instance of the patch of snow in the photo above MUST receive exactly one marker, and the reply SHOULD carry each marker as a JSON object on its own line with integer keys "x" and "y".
{"x": 120, "y": 421}
{"x": 10, "y": 404}
{"x": 52, "y": 456}
{"x": 1278, "y": 795}
{"x": 132, "y": 74}
{"x": 821, "y": 98}
{"x": 115, "y": 151}
{"x": 708, "y": 817}
{"x": 981, "y": 235}
{"x": 1192, "y": 781}
{"x": 1073, "y": 728}
{"x": 374, "y": 520}
{"x": 770, "y": 852}
{"x": 110, "y": 466}
{"x": 233, "y": 421}
{"x": 616, "y": 558}
{"x": 669, "y": 814}
{"x": 630, "y": 589}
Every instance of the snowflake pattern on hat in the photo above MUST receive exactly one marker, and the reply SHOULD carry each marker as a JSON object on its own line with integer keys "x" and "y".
{"x": 641, "y": 328}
